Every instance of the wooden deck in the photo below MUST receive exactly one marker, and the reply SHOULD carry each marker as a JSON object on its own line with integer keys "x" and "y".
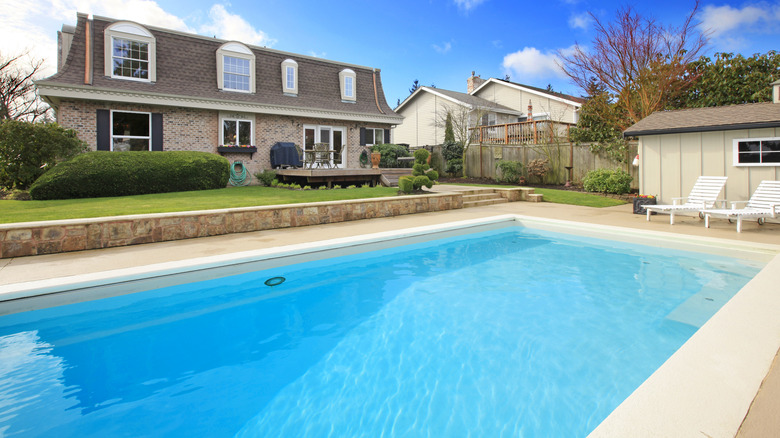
{"x": 330, "y": 177}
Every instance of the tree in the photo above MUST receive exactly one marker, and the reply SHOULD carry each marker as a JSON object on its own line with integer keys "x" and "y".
{"x": 462, "y": 119}
{"x": 27, "y": 150}
{"x": 415, "y": 86}
{"x": 730, "y": 79}
{"x": 640, "y": 62}
{"x": 449, "y": 134}
{"x": 599, "y": 124}
{"x": 18, "y": 96}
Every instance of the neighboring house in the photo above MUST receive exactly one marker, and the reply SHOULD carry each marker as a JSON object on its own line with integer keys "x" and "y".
{"x": 498, "y": 102}
{"x": 426, "y": 109}
{"x": 741, "y": 142}
{"x": 126, "y": 86}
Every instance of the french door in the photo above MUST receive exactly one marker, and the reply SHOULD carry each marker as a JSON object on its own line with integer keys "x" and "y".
{"x": 334, "y": 137}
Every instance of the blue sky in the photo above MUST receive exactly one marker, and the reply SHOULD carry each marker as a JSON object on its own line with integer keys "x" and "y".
{"x": 437, "y": 41}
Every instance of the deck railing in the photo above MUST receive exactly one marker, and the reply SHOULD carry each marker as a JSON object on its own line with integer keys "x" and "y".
{"x": 533, "y": 132}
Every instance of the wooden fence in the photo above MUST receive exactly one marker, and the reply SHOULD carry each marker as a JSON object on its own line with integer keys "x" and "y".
{"x": 579, "y": 157}
{"x": 521, "y": 133}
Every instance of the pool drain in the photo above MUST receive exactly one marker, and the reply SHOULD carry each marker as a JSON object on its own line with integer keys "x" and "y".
{"x": 275, "y": 281}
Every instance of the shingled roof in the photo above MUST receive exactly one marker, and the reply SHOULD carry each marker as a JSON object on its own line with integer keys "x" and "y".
{"x": 187, "y": 76}
{"x": 720, "y": 118}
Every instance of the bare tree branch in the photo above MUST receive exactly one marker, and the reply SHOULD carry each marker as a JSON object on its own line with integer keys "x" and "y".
{"x": 640, "y": 62}
{"x": 18, "y": 95}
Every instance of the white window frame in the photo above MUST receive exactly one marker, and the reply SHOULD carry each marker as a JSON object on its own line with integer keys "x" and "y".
{"x": 290, "y": 87}
{"x": 111, "y": 125}
{"x": 235, "y": 49}
{"x": 236, "y": 117}
{"x": 373, "y": 137}
{"x": 318, "y": 139}
{"x": 348, "y": 85}
{"x": 133, "y": 32}
{"x": 735, "y": 152}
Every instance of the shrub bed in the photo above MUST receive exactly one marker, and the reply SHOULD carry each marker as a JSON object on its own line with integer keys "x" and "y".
{"x": 101, "y": 174}
{"x": 607, "y": 181}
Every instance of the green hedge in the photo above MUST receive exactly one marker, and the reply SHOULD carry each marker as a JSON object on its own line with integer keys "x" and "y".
{"x": 102, "y": 174}
{"x": 607, "y": 181}
{"x": 390, "y": 154}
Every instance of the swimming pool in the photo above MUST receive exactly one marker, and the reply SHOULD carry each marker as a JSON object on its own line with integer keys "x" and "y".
{"x": 439, "y": 341}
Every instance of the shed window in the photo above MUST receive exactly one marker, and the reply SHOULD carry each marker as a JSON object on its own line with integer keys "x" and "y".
{"x": 757, "y": 151}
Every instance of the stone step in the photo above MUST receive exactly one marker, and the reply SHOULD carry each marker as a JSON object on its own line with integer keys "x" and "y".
{"x": 481, "y": 196}
{"x": 484, "y": 202}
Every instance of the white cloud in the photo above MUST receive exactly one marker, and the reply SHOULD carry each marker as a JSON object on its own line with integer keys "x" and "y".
{"x": 580, "y": 21}
{"x": 467, "y": 5}
{"x": 232, "y": 27}
{"x": 721, "y": 19}
{"x": 530, "y": 62}
{"x": 31, "y": 25}
{"x": 444, "y": 48}
{"x": 317, "y": 55}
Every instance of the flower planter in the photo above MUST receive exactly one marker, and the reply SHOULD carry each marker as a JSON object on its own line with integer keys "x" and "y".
{"x": 237, "y": 150}
{"x": 639, "y": 202}
{"x": 375, "y": 158}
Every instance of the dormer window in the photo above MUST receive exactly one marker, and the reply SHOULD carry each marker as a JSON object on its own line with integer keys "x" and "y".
{"x": 235, "y": 68}
{"x": 130, "y": 52}
{"x": 290, "y": 77}
{"x": 347, "y": 82}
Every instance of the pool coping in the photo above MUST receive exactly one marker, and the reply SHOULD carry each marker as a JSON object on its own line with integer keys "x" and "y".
{"x": 706, "y": 387}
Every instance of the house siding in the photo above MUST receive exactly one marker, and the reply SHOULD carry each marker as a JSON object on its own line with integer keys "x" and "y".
{"x": 518, "y": 99}
{"x": 671, "y": 163}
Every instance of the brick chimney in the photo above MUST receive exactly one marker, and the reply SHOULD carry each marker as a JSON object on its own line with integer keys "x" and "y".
{"x": 473, "y": 83}
{"x": 776, "y": 91}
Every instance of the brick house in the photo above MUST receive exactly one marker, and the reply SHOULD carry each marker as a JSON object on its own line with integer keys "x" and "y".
{"x": 125, "y": 86}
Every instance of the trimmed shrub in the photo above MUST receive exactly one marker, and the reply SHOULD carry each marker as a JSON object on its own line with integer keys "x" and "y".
{"x": 422, "y": 174}
{"x": 453, "y": 158}
{"x": 607, "y": 181}
{"x": 102, "y": 174}
{"x": 266, "y": 177}
{"x": 538, "y": 168}
{"x": 406, "y": 183}
{"x": 390, "y": 154}
{"x": 510, "y": 171}
{"x": 28, "y": 150}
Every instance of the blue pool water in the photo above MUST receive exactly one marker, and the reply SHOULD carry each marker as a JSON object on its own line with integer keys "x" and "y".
{"x": 510, "y": 332}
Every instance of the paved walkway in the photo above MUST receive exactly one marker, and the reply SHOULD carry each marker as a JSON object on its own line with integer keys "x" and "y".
{"x": 762, "y": 419}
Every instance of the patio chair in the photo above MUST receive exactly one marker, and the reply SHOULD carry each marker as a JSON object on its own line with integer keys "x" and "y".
{"x": 764, "y": 203}
{"x": 322, "y": 154}
{"x": 704, "y": 194}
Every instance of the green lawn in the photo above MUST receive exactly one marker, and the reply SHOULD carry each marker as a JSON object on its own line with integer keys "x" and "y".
{"x": 567, "y": 197}
{"x": 28, "y": 211}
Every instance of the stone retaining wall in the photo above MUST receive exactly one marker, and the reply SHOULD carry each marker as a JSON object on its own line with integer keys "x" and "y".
{"x": 34, "y": 238}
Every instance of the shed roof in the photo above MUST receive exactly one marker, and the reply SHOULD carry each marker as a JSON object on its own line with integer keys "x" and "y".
{"x": 719, "y": 118}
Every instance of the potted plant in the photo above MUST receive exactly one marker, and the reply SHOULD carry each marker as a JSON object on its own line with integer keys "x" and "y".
{"x": 642, "y": 200}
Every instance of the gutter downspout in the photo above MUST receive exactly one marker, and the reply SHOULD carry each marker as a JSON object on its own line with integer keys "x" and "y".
{"x": 88, "y": 54}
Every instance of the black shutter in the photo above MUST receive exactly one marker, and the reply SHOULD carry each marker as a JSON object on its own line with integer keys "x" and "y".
{"x": 157, "y": 132}
{"x": 362, "y": 136}
{"x": 103, "y": 130}
{"x": 387, "y": 136}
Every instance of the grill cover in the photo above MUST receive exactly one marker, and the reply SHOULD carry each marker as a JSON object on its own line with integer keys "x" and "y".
{"x": 285, "y": 154}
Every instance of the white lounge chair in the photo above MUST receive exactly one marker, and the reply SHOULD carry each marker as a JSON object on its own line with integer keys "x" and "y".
{"x": 704, "y": 194}
{"x": 764, "y": 203}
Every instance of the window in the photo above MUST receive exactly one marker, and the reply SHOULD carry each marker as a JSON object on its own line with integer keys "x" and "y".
{"x": 235, "y": 68}
{"x": 757, "y": 151}
{"x": 236, "y": 73}
{"x": 347, "y": 83}
{"x": 372, "y": 136}
{"x": 130, "y": 52}
{"x": 237, "y": 130}
{"x": 290, "y": 77}
{"x": 131, "y": 131}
